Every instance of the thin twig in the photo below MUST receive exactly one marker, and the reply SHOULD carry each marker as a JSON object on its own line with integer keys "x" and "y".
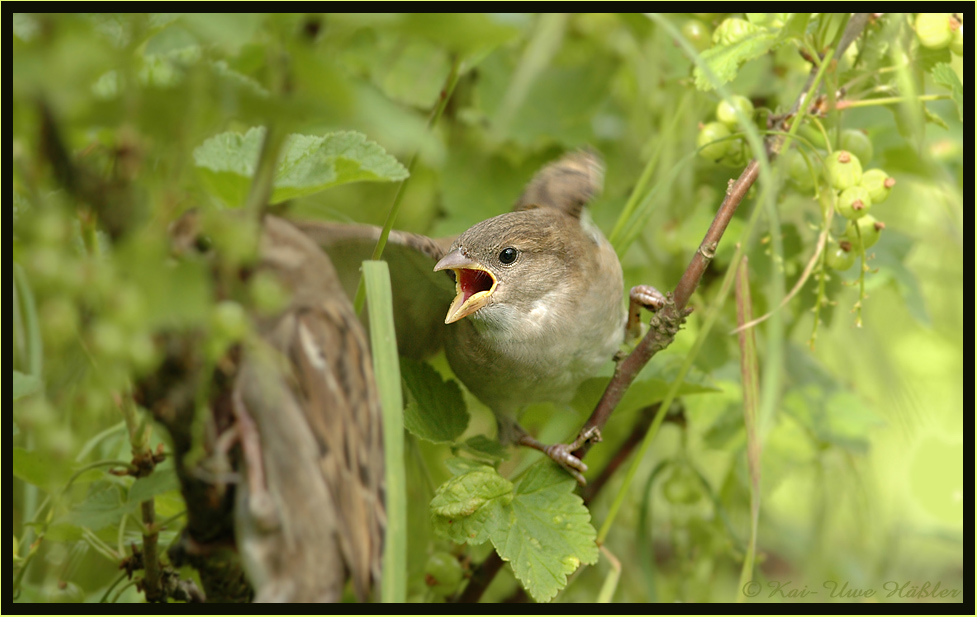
{"x": 152, "y": 585}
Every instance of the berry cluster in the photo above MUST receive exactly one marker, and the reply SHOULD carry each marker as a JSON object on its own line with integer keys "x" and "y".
{"x": 715, "y": 140}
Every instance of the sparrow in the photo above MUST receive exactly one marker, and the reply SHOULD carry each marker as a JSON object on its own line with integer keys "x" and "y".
{"x": 310, "y": 508}
{"x": 539, "y": 304}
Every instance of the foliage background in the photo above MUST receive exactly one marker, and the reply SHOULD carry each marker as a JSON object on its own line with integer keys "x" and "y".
{"x": 863, "y": 463}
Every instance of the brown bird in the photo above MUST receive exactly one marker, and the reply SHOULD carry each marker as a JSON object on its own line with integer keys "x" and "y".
{"x": 310, "y": 389}
{"x": 310, "y": 513}
{"x": 539, "y": 305}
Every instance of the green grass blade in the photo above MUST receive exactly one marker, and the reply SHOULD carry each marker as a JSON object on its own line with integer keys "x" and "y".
{"x": 750, "y": 375}
{"x": 386, "y": 365}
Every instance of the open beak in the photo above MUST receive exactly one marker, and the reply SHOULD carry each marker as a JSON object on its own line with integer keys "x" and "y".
{"x": 473, "y": 283}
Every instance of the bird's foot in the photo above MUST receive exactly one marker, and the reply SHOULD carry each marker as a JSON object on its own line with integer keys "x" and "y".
{"x": 562, "y": 454}
{"x": 642, "y": 296}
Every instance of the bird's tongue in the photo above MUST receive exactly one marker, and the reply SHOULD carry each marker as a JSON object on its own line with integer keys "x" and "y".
{"x": 473, "y": 281}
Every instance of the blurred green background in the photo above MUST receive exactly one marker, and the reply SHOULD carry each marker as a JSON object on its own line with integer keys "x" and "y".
{"x": 862, "y": 460}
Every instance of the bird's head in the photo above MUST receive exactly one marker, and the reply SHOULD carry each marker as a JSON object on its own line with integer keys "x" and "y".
{"x": 508, "y": 264}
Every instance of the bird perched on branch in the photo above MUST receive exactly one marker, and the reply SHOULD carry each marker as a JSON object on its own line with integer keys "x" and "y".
{"x": 539, "y": 305}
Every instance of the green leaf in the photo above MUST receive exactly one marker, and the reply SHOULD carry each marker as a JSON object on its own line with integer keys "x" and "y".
{"x": 467, "y": 508}
{"x": 943, "y": 74}
{"x": 25, "y": 385}
{"x": 39, "y": 469}
{"x": 437, "y": 412}
{"x": 890, "y": 257}
{"x": 156, "y": 483}
{"x": 63, "y": 532}
{"x": 567, "y": 120}
{"x": 539, "y": 525}
{"x": 483, "y": 447}
{"x": 549, "y": 534}
{"x": 837, "y": 417}
{"x": 725, "y": 60}
{"x": 309, "y": 164}
{"x": 416, "y": 73}
{"x": 459, "y": 466}
{"x": 104, "y": 506}
{"x": 796, "y": 26}
{"x": 926, "y": 59}
{"x": 725, "y": 428}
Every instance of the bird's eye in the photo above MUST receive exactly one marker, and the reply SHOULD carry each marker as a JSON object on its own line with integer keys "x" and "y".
{"x": 508, "y": 255}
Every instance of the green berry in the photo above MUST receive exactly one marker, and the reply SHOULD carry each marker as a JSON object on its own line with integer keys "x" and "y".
{"x": 443, "y": 573}
{"x": 733, "y": 30}
{"x": 59, "y": 320}
{"x": 109, "y": 339}
{"x": 267, "y": 294}
{"x": 711, "y": 133}
{"x": 726, "y": 110}
{"x": 813, "y": 135}
{"x": 697, "y": 33}
{"x": 867, "y": 234}
{"x": 129, "y": 305}
{"x": 840, "y": 258}
{"x": 230, "y": 321}
{"x": 879, "y": 184}
{"x": 857, "y": 143}
{"x": 141, "y": 351}
{"x": 236, "y": 240}
{"x": 854, "y": 202}
{"x": 737, "y": 155}
{"x": 798, "y": 170}
{"x": 934, "y": 30}
{"x": 843, "y": 169}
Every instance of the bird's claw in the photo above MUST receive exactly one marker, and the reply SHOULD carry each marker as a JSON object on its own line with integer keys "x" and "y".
{"x": 647, "y": 297}
{"x": 561, "y": 454}
{"x": 642, "y": 296}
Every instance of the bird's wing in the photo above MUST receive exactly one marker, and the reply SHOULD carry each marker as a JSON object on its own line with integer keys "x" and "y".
{"x": 420, "y": 295}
